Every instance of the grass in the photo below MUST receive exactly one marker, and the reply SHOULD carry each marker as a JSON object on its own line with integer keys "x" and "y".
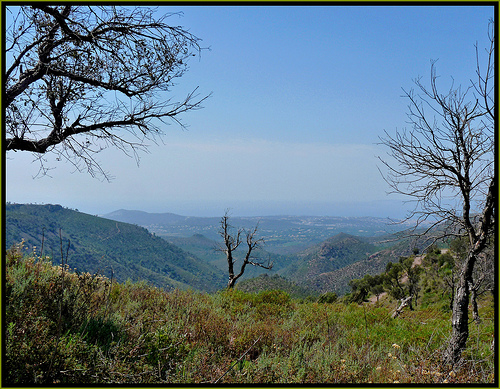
{"x": 69, "y": 328}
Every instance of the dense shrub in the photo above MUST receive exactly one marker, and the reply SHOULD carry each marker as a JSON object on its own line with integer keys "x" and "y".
{"x": 328, "y": 298}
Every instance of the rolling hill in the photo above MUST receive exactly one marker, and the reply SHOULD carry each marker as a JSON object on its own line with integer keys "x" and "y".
{"x": 327, "y": 266}
{"x": 96, "y": 244}
{"x": 334, "y": 253}
{"x": 338, "y": 280}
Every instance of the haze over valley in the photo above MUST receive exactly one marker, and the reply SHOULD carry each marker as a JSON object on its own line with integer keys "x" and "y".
{"x": 282, "y": 234}
{"x": 174, "y": 251}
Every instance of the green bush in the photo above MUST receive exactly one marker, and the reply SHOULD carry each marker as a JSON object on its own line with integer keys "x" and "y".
{"x": 328, "y": 298}
{"x": 101, "y": 331}
{"x": 273, "y": 297}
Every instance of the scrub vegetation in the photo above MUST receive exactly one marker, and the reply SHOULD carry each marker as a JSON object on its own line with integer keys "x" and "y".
{"x": 68, "y": 327}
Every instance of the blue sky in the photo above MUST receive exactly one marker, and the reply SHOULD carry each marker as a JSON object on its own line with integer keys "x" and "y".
{"x": 300, "y": 95}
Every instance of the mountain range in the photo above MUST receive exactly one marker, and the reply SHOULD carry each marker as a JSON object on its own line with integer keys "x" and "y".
{"x": 313, "y": 253}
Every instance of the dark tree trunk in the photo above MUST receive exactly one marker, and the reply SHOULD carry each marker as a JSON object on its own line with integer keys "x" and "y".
{"x": 460, "y": 313}
{"x": 230, "y": 263}
{"x": 459, "y": 323}
{"x": 473, "y": 299}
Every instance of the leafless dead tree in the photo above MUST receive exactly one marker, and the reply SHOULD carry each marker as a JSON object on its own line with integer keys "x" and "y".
{"x": 80, "y": 78}
{"x": 445, "y": 164}
{"x": 232, "y": 242}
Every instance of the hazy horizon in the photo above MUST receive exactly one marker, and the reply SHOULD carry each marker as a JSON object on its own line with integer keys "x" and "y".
{"x": 300, "y": 97}
{"x": 379, "y": 209}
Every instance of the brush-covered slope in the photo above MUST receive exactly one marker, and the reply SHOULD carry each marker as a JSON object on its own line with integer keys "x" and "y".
{"x": 107, "y": 246}
{"x": 338, "y": 280}
{"x": 336, "y": 252}
{"x": 329, "y": 266}
{"x": 265, "y": 282}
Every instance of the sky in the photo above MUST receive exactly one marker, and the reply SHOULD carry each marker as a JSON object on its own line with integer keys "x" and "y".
{"x": 299, "y": 98}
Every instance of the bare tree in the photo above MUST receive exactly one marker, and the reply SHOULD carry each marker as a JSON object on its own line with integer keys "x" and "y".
{"x": 232, "y": 242}
{"x": 79, "y": 79}
{"x": 445, "y": 164}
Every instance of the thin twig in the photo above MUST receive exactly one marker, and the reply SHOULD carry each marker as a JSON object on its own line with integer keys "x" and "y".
{"x": 166, "y": 348}
{"x": 366, "y": 328}
{"x": 239, "y": 359}
{"x": 328, "y": 332}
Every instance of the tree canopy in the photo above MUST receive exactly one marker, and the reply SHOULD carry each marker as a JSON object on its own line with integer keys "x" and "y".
{"x": 79, "y": 79}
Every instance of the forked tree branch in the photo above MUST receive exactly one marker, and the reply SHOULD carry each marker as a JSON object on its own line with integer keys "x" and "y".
{"x": 99, "y": 72}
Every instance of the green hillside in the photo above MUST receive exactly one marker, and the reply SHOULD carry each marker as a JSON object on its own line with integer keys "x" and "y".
{"x": 336, "y": 252}
{"x": 108, "y": 247}
{"x": 338, "y": 280}
{"x": 129, "y": 251}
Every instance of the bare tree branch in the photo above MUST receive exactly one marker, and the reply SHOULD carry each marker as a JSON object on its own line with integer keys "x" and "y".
{"x": 445, "y": 164}
{"x": 98, "y": 72}
{"x": 231, "y": 242}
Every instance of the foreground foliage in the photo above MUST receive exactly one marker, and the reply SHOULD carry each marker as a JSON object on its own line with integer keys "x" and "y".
{"x": 66, "y": 327}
